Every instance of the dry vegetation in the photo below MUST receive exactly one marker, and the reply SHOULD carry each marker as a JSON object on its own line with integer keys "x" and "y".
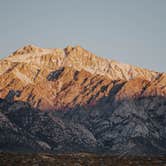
{"x": 15, "y": 159}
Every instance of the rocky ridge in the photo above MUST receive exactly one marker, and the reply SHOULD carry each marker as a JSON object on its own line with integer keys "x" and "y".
{"x": 46, "y": 78}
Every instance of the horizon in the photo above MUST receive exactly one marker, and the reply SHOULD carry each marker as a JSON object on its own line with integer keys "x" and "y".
{"x": 131, "y": 32}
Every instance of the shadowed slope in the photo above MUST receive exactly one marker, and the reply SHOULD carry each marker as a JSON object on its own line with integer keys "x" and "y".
{"x": 131, "y": 127}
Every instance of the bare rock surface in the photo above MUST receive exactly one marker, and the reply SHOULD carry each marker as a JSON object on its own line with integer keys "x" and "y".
{"x": 70, "y": 100}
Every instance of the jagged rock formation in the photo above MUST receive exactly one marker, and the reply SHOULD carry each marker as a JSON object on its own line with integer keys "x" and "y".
{"x": 65, "y": 100}
{"x": 75, "y": 57}
{"x": 47, "y": 77}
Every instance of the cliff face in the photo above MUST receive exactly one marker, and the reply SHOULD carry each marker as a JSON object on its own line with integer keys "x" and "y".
{"x": 70, "y": 100}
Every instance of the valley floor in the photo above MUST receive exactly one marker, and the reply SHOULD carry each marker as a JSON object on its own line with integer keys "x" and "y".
{"x": 17, "y": 159}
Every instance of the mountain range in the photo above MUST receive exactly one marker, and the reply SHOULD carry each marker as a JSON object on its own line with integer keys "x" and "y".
{"x": 70, "y": 100}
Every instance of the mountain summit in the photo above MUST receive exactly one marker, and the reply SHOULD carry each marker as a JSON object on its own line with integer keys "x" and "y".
{"x": 78, "y": 58}
{"x": 47, "y": 77}
{"x": 70, "y": 100}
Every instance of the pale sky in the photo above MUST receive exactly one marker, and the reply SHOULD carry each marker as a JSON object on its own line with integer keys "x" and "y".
{"x": 130, "y": 31}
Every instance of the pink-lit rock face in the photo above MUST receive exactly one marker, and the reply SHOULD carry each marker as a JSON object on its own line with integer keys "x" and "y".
{"x": 84, "y": 80}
